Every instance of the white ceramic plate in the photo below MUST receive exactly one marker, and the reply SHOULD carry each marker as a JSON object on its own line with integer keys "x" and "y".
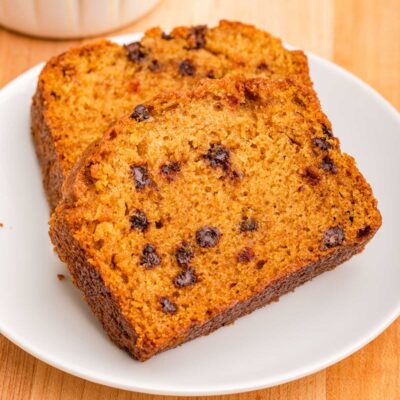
{"x": 321, "y": 323}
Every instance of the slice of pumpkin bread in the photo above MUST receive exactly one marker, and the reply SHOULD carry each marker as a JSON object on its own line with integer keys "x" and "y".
{"x": 81, "y": 92}
{"x": 200, "y": 207}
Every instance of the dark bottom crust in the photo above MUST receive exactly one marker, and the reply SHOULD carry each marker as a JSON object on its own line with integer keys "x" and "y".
{"x": 101, "y": 301}
{"x": 121, "y": 332}
{"x": 271, "y": 293}
{"x": 52, "y": 171}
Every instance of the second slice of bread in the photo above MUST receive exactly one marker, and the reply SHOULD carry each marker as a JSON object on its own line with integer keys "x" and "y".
{"x": 83, "y": 91}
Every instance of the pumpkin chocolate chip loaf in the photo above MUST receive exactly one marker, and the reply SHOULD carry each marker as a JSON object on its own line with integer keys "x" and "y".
{"x": 83, "y": 91}
{"x": 200, "y": 207}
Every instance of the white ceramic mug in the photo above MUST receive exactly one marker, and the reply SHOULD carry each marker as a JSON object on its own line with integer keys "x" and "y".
{"x": 70, "y": 18}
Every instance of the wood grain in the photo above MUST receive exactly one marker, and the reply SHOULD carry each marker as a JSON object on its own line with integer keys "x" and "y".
{"x": 362, "y": 36}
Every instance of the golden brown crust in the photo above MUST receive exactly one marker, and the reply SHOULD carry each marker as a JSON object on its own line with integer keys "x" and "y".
{"x": 52, "y": 170}
{"x": 99, "y": 298}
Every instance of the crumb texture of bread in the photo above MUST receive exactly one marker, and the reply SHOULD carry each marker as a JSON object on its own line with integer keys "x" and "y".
{"x": 83, "y": 91}
{"x": 200, "y": 207}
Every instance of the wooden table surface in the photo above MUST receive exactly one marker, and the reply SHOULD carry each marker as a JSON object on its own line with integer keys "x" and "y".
{"x": 361, "y": 35}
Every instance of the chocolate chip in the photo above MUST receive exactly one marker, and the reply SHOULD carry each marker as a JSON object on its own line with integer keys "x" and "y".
{"x": 168, "y": 306}
{"x": 185, "y": 278}
{"x": 260, "y": 264}
{"x": 150, "y": 258}
{"x": 139, "y": 221}
{"x": 184, "y": 255}
{"x": 245, "y": 255}
{"x": 248, "y": 225}
{"x": 154, "y": 66}
{"x": 169, "y": 171}
{"x": 159, "y": 224}
{"x": 218, "y": 156}
{"x": 166, "y": 36}
{"x": 112, "y": 135}
{"x": 140, "y": 113}
{"x": 326, "y": 131}
{"x": 196, "y": 37}
{"x": 210, "y": 74}
{"x": 327, "y": 164}
{"x": 251, "y": 95}
{"x": 365, "y": 231}
{"x": 186, "y": 68}
{"x": 311, "y": 175}
{"x": 208, "y": 236}
{"x": 322, "y": 144}
{"x": 262, "y": 66}
{"x": 332, "y": 237}
{"x": 136, "y": 52}
{"x": 141, "y": 176}
{"x": 54, "y": 95}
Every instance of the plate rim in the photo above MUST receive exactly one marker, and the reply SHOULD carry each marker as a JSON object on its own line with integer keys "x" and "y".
{"x": 249, "y": 385}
